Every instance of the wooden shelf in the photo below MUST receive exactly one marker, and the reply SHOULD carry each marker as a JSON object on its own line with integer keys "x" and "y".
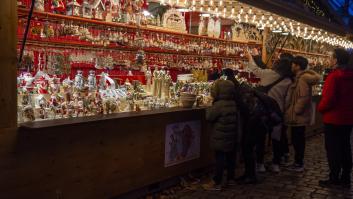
{"x": 83, "y": 46}
{"x": 23, "y": 12}
{"x": 304, "y": 53}
{"x": 99, "y": 118}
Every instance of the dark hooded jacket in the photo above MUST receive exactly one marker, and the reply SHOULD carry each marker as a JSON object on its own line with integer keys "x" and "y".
{"x": 223, "y": 116}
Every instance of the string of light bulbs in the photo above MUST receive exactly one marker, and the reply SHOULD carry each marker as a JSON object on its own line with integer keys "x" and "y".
{"x": 242, "y": 13}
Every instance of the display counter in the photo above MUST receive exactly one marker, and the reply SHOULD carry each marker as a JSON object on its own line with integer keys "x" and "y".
{"x": 105, "y": 156}
{"x": 102, "y": 157}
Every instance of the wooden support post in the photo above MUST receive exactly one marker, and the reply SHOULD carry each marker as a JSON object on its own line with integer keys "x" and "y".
{"x": 8, "y": 38}
{"x": 265, "y": 37}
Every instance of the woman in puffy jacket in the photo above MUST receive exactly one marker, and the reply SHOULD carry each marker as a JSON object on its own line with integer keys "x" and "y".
{"x": 223, "y": 118}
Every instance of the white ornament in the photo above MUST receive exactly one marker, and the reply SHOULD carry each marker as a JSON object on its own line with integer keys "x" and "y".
{"x": 174, "y": 20}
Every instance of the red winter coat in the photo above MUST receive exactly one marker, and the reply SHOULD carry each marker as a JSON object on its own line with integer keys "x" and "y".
{"x": 336, "y": 104}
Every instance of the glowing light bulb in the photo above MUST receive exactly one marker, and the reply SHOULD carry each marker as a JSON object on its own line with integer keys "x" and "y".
{"x": 220, "y": 3}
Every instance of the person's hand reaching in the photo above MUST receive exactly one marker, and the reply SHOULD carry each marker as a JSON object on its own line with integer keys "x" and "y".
{"x": 255, "y": 52}
{"x": 248, "y": 55}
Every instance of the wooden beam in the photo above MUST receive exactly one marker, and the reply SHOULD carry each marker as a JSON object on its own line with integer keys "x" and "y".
{"x": 264, "y": 39}
{"x": 8, "y": 38}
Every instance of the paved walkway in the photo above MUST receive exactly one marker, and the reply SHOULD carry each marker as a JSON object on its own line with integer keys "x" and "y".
{"x": 284, "y": 185}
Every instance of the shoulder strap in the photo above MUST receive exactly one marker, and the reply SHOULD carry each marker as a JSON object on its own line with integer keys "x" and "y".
{"x": 269, "y": 87}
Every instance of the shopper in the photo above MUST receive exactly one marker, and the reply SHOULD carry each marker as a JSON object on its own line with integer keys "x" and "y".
{"x": 298, "y": 114}
{"x": 279, "y": 92}
{"x": 223, "y": 117}
{"x": 336, "y": 106}
{"x": 278, "y": 81}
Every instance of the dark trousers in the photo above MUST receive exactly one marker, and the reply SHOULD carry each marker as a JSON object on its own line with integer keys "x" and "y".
{"x": 252, "y": 135}
{"x": 276, "y": 149}
{"x": 260, "y": 148}
{"x": 338, "y": 149}
{"x": 298, "y": 141}
{"x": 224, "y": 161}
{"x": 284, "y": 141}
{"x": 280, "y": 148}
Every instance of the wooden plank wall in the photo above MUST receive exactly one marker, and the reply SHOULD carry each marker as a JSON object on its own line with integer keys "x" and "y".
{"x": 95, "y": 160}
{"x": 8, "y": 39}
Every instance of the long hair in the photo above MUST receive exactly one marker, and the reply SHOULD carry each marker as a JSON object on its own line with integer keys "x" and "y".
{"x": 229, "y": 73}
{"x": 284, "y": 68}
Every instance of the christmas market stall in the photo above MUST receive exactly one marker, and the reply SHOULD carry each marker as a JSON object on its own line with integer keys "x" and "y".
{"x": 111, "y": 94}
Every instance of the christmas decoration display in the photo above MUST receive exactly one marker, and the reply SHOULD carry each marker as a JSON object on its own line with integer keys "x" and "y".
{"x": 96, "y": 57}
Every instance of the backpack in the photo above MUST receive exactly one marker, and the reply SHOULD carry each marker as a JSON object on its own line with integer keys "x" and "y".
{"x": 261, "y": 108}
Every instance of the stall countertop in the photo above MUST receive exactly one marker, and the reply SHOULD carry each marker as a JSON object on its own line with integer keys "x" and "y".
{"x": 87, "y": 119}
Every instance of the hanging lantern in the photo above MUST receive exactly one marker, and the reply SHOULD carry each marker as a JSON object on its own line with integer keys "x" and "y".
{"x": 86, "y": 9}
{"x": 73, "y": 8}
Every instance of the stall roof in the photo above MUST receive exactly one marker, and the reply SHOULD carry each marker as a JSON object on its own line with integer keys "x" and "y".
{"x": 296, "y": 12}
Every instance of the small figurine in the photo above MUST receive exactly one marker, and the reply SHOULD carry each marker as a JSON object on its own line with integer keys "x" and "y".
{"x": 54, "y": 104}
{"x": 58, "y": 6}
{"x": 86, "y": 9}
{"x": 98, "y": 8}
{"x": 92, "y": 81}
{"x": 166, "y": 85}
{"x": 54, "y": 85}
{"x": 138, "y": 109}
{"x": 42, "y": 86}
{"x": 28, "y": 113}
{"x": 155, "y": 80}
{"x": 110, "y": 106}
{"x": 28, "y": 81}
{"x": 39, "y": 5}
{"x": 73, "y": 8}
{"x": 42, "y": 107}
{"x": 148, "y": 79}
{"x": 99, "y": 104}
{"x": 79, "y": 82}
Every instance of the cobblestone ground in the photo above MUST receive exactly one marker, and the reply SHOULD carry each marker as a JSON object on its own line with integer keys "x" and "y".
{"x": 284, "y": 185}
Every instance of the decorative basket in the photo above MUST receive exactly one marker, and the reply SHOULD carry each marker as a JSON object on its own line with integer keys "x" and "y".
{"x": 187, "y": 100}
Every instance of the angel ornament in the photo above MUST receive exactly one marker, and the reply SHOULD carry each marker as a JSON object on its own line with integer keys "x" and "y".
{"x": 155, "y": 80}
{"x": 160, "y": 83}
{"x": 148, "y": 79}
{"x": 166, "y": 85}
